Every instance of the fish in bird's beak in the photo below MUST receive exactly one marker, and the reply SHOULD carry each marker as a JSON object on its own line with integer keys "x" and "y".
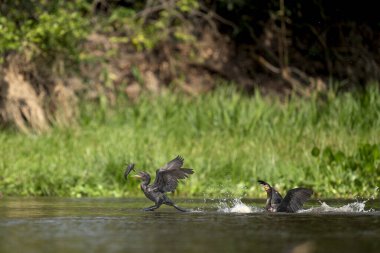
{"x": 128, "y": 170}
{"x": 139, "y": 175}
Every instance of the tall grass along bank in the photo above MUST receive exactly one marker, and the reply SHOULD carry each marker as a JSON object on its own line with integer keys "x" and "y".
{"x": 229, "y": 139}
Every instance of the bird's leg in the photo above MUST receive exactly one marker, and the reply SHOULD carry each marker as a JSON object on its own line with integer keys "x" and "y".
{"x": 170, "y": 203}
{"x": 152, "y": 208}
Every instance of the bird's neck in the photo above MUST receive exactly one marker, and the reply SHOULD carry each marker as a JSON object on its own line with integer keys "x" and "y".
{"x": 145, "y": 182}
{"x": 269, "y": 199}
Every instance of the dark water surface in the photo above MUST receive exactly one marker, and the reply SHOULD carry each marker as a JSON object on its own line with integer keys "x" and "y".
{"x": 119, "y": 225}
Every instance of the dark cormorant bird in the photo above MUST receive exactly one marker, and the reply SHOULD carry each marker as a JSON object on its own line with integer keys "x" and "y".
{"x": 166, "y": 181}
{"x": 292, "y": 202}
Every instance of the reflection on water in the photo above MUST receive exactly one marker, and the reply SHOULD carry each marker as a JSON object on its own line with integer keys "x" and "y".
{"x": 120, "y": 225}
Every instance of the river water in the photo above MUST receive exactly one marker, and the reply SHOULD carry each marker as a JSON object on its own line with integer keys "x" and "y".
{"x": 231, "y": 225}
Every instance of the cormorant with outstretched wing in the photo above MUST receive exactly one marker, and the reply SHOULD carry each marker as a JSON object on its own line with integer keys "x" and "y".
{"x": 166, "y": 180}
{"x": 292, "y": 202}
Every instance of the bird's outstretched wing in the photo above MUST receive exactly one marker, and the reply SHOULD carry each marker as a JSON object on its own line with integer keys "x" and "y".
{"x": 167, "y": 177}
{"x": 294, "y": 200}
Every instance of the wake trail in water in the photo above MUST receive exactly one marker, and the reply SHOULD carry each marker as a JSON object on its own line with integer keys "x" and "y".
{"x": 237, "y": 206}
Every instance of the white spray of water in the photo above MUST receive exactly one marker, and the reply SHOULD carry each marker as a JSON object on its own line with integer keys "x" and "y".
{"x": 237, "y": 206}
{"x": 355, "y": 207}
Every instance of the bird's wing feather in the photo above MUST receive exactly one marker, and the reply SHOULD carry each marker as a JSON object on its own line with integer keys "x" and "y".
{"x": 294, "y": 200}
{"x": 167, "y": 177}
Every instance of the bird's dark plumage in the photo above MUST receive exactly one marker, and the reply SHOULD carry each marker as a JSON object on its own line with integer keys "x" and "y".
{"x": 166, "y": 180}
{"x": 167, "y": 177}
{"x": 292, "y": 202}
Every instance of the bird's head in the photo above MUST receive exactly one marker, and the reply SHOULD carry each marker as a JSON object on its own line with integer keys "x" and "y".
{"x": 143, "y": 176}
{"x": 265, "y": 185}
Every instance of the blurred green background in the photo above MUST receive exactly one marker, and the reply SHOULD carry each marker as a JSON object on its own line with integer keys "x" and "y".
{"x": 283, "y": 91}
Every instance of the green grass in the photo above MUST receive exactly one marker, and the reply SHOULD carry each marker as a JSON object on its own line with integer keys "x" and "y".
{"x": 228, "y": 138}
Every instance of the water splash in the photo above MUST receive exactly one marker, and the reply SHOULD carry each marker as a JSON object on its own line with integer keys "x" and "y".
{"x": 237, "y": 206}
{"x": 196, "y": 210}
{"x": 355, "y": 207}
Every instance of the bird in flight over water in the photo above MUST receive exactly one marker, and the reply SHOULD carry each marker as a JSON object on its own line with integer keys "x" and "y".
{"x": 166, "y": 180}
{"x": 293, "y": 201}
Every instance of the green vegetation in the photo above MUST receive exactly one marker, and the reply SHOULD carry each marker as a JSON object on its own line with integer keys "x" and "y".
{"x": 51, "y": 30}
{"x": 56, "y": 53}
{"x": 358, "y": 172}
{"x": 329, "y": 143}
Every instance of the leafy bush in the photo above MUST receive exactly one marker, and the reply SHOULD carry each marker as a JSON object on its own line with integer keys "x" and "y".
{"x": 43, "y": 28}
{"x": 156, "y": 23}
